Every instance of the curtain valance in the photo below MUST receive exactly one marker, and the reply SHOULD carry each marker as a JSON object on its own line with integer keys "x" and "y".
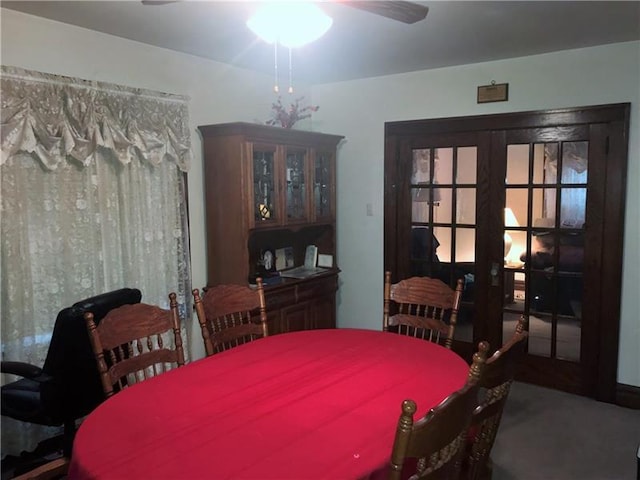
{"x": 56, "y": 118}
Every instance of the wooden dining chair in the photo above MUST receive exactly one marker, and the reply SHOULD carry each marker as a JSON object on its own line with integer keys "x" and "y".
{"x": 420, "y": 306}
{"x": 231, "y": 315}
{"x": 129, "y": 346}
{"x": 52, "y": 470}
{"x": 495, "y": 384}
{"x": 433, "y": 446}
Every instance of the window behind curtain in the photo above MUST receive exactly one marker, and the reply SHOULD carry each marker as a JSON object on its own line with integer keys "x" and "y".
{"x": 92, "y": 199}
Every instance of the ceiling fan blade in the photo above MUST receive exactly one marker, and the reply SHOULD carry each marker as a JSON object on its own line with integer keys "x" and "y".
{"x": 158, "y": 2}
{"x": 403, "y": 11}
{"x": 406, "y": 12}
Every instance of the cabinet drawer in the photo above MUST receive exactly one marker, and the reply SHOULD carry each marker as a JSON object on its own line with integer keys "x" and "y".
{"x": 318, "y": 288}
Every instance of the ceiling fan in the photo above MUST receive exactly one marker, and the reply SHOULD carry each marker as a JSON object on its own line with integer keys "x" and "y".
{"x": 400, "y": 10}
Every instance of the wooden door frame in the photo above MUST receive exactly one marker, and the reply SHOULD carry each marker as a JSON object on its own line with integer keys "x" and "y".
{"x": 609, "y": 120}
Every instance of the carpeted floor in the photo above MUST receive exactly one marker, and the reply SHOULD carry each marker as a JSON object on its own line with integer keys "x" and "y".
{"x": 551, "y": 435}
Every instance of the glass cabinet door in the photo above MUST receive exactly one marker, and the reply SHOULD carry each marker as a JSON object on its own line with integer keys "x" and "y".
{"x": 296, "y": 193}
{"x": 323, "y": 186}
{"x": 265, "y": 208}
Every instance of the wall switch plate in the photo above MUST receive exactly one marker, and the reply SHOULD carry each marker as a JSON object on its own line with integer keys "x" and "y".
{"x": 369, "y": 210}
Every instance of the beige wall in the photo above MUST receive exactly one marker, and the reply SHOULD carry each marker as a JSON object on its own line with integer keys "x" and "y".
{"x": 218, "y": 93}
{"x": 359, "y": 109}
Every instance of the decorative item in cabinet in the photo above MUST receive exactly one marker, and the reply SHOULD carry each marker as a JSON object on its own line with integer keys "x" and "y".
{"x": 324, "y": 185}
{"x": 263, "y": 185}
{"x": 270, "y": 189}
{"x": 297, "y": 199}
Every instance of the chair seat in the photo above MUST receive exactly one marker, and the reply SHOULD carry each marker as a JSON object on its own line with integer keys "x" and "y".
{"x": 21, "y": 400}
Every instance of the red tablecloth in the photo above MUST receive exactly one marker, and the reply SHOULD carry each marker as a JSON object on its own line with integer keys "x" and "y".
{"x": 313, "y": 404}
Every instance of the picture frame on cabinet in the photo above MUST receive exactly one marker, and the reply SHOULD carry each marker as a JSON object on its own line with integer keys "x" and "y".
{"x": 284, "y": 258}
{"x": 268, "y": 260}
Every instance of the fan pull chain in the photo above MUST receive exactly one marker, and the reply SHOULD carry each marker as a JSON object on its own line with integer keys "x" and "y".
{"x": 290, "y": 73}
{"x": 276, "y": 88}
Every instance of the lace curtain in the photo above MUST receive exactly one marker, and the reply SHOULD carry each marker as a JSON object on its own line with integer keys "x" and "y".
{"x": 93, "y": 199}
{"x": 574, "y": 170}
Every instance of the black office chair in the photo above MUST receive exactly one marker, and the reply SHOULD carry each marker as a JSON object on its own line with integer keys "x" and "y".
{"x": 67, "y": 387}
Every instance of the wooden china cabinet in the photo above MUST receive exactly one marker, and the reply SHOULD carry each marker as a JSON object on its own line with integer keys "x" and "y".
{"x": 268, "y": 189}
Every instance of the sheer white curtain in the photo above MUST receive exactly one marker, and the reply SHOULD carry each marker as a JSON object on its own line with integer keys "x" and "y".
{"x": 573, "y": 200}
{"x": 92, "y": 199}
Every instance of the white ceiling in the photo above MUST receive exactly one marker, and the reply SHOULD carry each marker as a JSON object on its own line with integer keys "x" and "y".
{"x": 359, "y": 44}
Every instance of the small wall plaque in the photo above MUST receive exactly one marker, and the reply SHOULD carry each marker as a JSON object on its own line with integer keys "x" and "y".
{"x": 496, "y": 92}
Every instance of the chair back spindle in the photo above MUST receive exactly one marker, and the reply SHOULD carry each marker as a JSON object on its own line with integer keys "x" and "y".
{"x": 437, "y": 441}
{"x": 495, "y": 385}
{"x": 128, "y": 343}
{"x": 231, "y": 315}
{"x": 422, "y": 307}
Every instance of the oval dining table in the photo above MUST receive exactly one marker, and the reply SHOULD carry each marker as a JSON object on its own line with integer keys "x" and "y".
{"x": 315, "y": 404}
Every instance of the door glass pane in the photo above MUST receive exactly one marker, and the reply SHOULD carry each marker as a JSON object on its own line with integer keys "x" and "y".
{"x": 466, "y": 206}
{"x": 574, "y": 162}
{"x": 573, "y": 204}
{"x": 544, "y": 255}
{"x": 424, "y": 252}
{"x": 547, "y": 208}
{"x": 421, "y": 205}
{"x": 423, "y": 195}
{"x": 467, "y": 165}
{"x": 263, "y": 186}
{"x": 443, "y": 207}
{"x": 538, "y": 163}
{"x": 443, "y": 235}
{"x": 568, "y": 339}
{"x": 465, "y": 245}
{"x": 421, "y": 167}
{"x": 515, "y": 215}
{"x": 296, "y": 185}
{"x": 443, "y": 166}
{"x": 515, "y": 247}
{"x": 539, "y": 335}
{"x": 517, "y": 164}
{"x": 574, "y": 168}
{"x": 537, "y": 206}
{"x": 550, "y": 172}
{"x": 514, "y": 293}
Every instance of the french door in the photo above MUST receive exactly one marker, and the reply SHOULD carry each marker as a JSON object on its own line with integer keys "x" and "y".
{"x": 527, "y": 209}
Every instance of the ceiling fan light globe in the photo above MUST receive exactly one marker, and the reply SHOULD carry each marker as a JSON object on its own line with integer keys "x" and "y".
{"x": 262, "y": 25}
{"x": 290, "y": 24}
